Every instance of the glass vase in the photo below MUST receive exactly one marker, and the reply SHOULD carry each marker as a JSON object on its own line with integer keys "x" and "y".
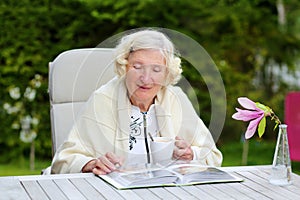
{"x": 281, "y": 167}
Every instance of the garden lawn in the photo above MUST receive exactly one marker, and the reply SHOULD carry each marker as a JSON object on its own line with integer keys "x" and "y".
{"x": 21, "y": 167}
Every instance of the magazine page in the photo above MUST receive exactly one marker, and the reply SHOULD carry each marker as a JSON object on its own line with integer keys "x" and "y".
{"x": 147, "y": 178}
{"x": 197, "y": 174}
{"x": 140, "y": 176}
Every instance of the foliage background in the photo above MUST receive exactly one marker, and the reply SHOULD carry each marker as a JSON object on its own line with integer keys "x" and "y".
{"x": 243, "y": 37}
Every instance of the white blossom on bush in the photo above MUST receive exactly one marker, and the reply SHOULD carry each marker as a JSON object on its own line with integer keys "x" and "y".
{"x": 15, "y": 93}
{"x": 16, "y": 108}
{"x": 30, "y": 93}
{"x": 26, "y": 118}
{"x": 26, "y": 133}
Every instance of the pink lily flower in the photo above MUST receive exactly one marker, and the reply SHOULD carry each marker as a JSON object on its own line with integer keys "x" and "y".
{"x": 252, "y": 114}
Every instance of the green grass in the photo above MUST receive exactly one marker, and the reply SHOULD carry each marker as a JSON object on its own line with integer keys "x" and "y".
{"x": 260, "y": 153}
{"x": 21, "y": 167}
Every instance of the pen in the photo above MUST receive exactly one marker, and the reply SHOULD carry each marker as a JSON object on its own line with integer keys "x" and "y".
{"x": 151, "y": 137}
{"x": 145, "y": 135}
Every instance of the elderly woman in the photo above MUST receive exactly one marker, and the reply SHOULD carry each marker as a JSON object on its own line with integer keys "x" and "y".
{"x": 109, "y": 130}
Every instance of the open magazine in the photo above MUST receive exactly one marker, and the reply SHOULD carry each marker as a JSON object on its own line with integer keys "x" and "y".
{"x": 174, "y": 175}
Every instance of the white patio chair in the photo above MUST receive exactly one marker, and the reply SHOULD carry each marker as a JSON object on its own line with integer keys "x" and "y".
{"x": 73, "y": 76}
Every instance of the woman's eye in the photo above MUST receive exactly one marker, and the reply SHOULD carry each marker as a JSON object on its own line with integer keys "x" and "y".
{"x": 136, "y": 66}
{"x": 157, "y": 68}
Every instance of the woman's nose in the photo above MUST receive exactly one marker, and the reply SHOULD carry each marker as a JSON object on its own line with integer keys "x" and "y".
{"x": 146, "y": 76}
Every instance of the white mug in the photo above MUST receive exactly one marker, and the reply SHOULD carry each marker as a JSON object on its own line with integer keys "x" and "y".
{"x": 162, "y": 149}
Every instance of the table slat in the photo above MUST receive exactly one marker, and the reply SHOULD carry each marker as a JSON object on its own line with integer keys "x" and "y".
{"x": 162, "y": 193}
{"x": 34, "y": 190}
{"x": 86, "y": 189}
{"x": 106, "y": 190}
{"x": 180, "y": 193}
{"x": 69, "y": 189}
{"x": 230, "y": 189}
{"x": 129, "y": 194}
{"x": 145, "y": 194}
{"x": 196, "y": 191}
{"x": 249, "y": 191}
{"x": 51, "y": 189}
{"x": 296, "y": 180}
{"x": 12, "y": 189}
{"x": 215, "y": 192}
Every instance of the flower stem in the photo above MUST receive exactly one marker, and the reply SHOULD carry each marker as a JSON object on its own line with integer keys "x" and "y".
{"x": 277, "y": 120}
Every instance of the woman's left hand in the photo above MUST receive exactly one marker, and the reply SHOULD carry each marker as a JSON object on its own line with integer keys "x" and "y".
{"x": 183, "y": 150}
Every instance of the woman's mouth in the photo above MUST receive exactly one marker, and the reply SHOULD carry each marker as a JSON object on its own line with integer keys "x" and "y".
{"x": 144, "y": 88}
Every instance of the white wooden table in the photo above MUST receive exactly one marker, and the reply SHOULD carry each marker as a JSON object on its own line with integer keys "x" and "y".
{"x": 88, "y": 186}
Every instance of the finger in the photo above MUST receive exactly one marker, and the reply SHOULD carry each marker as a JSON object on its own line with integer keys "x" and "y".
{"x": 181, "y": 144}
{"x": 176, "y": 154}
{"x": 184, "y": 154}
{"x": 113, "y": 158}
{"x": 98, "y": 171}
{"x": 105, "y": 165}
{"x": 188, "y": 155}
{"x": 89, "y": 166}
{"x": 178, "y": 138}
{"x": 180, "y": 152}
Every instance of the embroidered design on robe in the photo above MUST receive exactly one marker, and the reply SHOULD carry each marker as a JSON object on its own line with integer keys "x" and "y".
{"x": 135, "y": 130}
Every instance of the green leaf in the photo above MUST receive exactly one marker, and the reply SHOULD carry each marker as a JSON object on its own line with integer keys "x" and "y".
{"x": 275, "y": 126}
{"x": 262, "y": 127}
{"x": 261, "y": 106}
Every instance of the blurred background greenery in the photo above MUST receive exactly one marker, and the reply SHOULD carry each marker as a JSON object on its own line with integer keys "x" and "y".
{"x": 255, "y": 44}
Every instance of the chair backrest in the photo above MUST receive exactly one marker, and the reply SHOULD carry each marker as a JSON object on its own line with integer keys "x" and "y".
{"x": 73, "y": 76}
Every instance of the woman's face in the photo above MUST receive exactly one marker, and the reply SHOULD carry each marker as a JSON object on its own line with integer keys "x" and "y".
{"x": 145, "y": 75}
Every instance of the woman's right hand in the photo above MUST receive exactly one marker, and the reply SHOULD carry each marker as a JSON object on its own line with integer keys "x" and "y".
{"x": 104, "y": 164}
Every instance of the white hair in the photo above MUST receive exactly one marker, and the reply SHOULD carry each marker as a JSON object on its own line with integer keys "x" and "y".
{"x": 148, "y": 39}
